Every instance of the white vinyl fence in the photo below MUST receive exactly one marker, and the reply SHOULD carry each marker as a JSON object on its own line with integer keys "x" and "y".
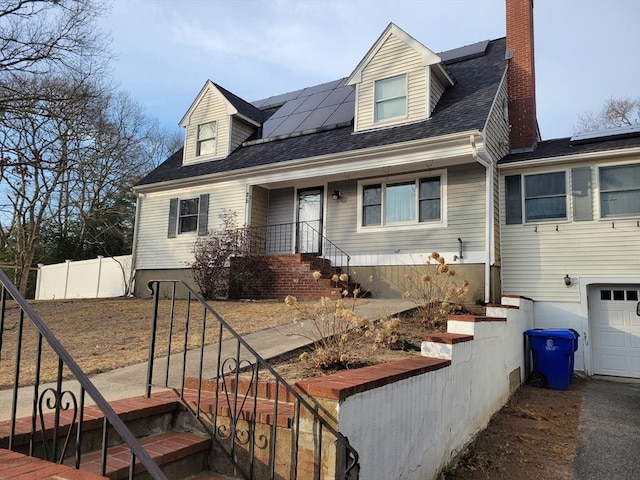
{"x": 99, "y": 277}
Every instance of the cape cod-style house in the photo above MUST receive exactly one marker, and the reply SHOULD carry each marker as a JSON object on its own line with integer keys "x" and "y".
{"x": 413, "y": 152}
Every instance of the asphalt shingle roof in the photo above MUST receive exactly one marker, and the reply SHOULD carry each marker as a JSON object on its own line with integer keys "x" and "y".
{"x": 561, "y": 147}
{"x": 244, "y": 107}
{"x": 464, "y": 106}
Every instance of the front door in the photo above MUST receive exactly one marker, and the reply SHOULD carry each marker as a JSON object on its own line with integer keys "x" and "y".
{"x": 309, "y": 229}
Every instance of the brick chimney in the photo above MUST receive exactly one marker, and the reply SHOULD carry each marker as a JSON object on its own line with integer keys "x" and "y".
{"x": 521, "y": 79}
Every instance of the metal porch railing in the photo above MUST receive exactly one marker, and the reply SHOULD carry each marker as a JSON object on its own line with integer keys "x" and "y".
{"x": 60, "y": 400}
{"x": 225, "y": 361}
{"x": 300, "y": 237}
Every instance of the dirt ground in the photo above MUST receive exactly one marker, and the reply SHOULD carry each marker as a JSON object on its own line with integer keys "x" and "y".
{"x": 532, "y": 437}
{"x": 104, "y": 334}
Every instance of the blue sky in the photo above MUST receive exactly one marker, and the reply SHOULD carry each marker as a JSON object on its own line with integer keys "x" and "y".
{"x": 587, "y": 51}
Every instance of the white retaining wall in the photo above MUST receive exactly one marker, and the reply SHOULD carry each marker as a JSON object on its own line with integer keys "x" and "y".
{"x": 96, "y": 278}
{"x": 410, "y": 429}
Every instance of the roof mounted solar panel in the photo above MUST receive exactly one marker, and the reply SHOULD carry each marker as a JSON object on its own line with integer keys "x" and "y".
{"x": 311, "y": 108}
{"x": 606, "y": 134}
{"x": 464, "y": 53}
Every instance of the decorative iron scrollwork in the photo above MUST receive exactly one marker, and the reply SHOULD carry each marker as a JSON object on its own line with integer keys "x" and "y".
{"x": 54, "y": 400}
{"x": 236, "y": 399}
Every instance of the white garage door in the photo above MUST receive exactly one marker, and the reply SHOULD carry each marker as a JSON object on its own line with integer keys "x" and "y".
{"x": 615, "y": 330}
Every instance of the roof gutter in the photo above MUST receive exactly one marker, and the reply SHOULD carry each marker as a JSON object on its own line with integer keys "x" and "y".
{"x": 578, "y": 157}
{"x": 459, "y": 139}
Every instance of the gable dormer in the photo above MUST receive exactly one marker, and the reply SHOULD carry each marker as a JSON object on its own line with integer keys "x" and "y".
{"x": 398, "y": 81}
{"x": 216, "y": 123}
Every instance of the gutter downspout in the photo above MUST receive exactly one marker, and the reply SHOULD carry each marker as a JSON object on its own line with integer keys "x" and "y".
{"x": 489, "y": 250}
{"x": 134, "y": 246}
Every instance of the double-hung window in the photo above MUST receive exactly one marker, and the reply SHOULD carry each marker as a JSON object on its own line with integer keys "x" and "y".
{"x": 545, "y": 197}
{"x": 536, "y": 197}
{"x": 206, "y": 142}
{"x": 619, "y": 190}
{"x": 188, "y": 215}
{"x": 391, "y": 98}
{"x": 405, "y": 201}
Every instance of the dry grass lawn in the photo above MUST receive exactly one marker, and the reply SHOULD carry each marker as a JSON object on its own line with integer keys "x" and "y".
{"x": 104, "y": 334}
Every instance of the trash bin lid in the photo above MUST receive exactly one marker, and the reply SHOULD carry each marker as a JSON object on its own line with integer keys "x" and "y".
{"x": 553, "y": 333}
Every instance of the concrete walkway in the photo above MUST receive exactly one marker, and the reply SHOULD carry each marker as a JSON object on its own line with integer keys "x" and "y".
{"x": 609, "y": 436}
{"x": 130, "y": 381}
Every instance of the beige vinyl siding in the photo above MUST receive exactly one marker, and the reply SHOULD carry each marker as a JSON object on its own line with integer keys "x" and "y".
{"x": 497, "y": 128}
{"x": 154, "y": 249}
{"x": 240, "y": 131}
{"x": 497, "y": 137}
{"x": 437, "y": 89}
{"x": 466, "y": 219}
{"x": 212, "y": 107}
{"x": 281, "y": 206}
{"x": 394, "y": 58}
{"x": 537, "y": 256}
{"x": 259, "y": 206}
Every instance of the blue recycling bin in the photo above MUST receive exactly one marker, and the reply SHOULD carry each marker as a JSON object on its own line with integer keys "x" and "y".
{"x": 553, "y": 352}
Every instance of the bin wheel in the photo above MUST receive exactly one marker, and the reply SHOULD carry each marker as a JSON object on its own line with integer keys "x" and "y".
{"x": 537, "y": 379}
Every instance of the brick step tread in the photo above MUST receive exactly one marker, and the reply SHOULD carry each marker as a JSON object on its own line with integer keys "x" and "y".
{"x": 128, "y": 409}
{"x": 264, "y": 389}
{"x": 163, "y": 448}
{"x": 476, "y": 318}
{"x": 447, "y": 338}
{"x": 19, "y": 466}
{"x": 259, "y": 410}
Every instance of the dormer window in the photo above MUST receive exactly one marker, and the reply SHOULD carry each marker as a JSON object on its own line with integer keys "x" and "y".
{"x": 391, "y": 98}
{"x": 206, "y": 143}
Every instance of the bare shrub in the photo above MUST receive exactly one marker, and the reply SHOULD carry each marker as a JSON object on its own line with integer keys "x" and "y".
{"x": 335, "y": 326}
{"x": 221, "y": 262}
{"x": 432, "y": 287}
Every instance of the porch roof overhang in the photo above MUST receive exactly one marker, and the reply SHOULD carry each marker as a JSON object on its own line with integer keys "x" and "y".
{"x": 415, "y": 155}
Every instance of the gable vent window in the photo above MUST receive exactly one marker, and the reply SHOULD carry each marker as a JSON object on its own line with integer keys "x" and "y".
{"x": 206, "y": 144}
{"x": 188, "y": 215}
{"x": 391, "y": 98}
{"x": 620, "y": 190}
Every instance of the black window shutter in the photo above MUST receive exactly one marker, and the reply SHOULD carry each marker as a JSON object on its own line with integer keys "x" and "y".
{"x": 513, "y": 199}
{"x": 173, "y": 218}
{"x": 581, "y": 193}
{"x": 203, "y": 215}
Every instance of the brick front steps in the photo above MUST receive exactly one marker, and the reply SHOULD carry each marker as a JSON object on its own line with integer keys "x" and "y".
{"x": 19, "y": 466}
{"x": 156, "y": 421}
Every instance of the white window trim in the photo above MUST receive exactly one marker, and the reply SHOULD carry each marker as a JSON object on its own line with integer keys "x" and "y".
{"x": 179, "y": 217}
{"x": 199, "y": 140}
{"x": 567, "y": 199}
{"x": 377, "y": 121}
{"x": 596, "y": 192}
{"x": 442, "y": 223}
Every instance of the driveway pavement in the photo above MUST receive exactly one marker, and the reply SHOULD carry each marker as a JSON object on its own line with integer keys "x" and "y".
{"x": 609, "y": 436}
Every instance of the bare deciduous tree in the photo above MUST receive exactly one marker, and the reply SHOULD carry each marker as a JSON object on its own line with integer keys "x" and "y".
{"x": 48, "y": 37}
{"x": 616, "y": 112}
{"x": 66, "y": 168}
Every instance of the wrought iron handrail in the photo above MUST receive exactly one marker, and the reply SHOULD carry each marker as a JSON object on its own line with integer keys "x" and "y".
{"x": 62, "y": 400}
{"x": 240, "y": 401}
{"x": 299, "y": 237}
